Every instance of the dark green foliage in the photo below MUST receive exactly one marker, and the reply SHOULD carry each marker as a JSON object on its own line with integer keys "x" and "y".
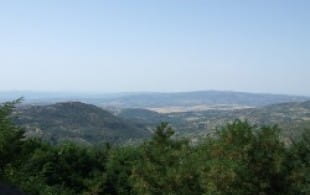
{"x": 165, "y": 166}
{"x": 244, "y": 159}
{"x": 299, "y": 164}
{"x": 10, "y": 136}
{"x": 238, "y": 159}
{"x": 119, "y": 168}
{"x": 69, "y": 167}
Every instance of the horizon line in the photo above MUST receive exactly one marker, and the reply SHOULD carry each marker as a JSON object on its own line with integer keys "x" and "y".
{"x": 76, "y": 92}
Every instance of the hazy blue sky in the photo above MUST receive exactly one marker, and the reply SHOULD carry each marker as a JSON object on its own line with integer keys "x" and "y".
{"x": 152, "y": 45}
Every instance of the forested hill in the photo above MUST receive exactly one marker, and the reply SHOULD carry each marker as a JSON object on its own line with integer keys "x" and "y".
{"x": 77, "y": 121}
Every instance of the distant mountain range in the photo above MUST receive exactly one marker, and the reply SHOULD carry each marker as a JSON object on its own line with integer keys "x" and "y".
{"x": 154, "y": 100}
{"x": 199, "y": 98}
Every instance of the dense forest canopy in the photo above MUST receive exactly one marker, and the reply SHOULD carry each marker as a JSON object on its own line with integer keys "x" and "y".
{"x": 238, "y": 158}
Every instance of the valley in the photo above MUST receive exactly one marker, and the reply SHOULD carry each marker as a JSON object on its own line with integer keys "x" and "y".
{"x": 94, "y": 124}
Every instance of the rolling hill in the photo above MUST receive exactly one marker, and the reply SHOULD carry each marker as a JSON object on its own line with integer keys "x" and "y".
{"x": 78, "y": 122}
{"x": 90, "y": 124}
{"x": 292, "y": 117}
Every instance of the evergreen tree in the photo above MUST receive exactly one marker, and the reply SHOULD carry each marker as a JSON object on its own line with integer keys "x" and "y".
{"x": 165, "y": 166}
{"x": 299, "y": 165}
{"x": 11, "y": 137}
{"x": 243, "y": 159}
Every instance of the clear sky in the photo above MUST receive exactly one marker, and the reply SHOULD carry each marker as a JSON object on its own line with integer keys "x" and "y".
{"x": 155, "y": 45}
